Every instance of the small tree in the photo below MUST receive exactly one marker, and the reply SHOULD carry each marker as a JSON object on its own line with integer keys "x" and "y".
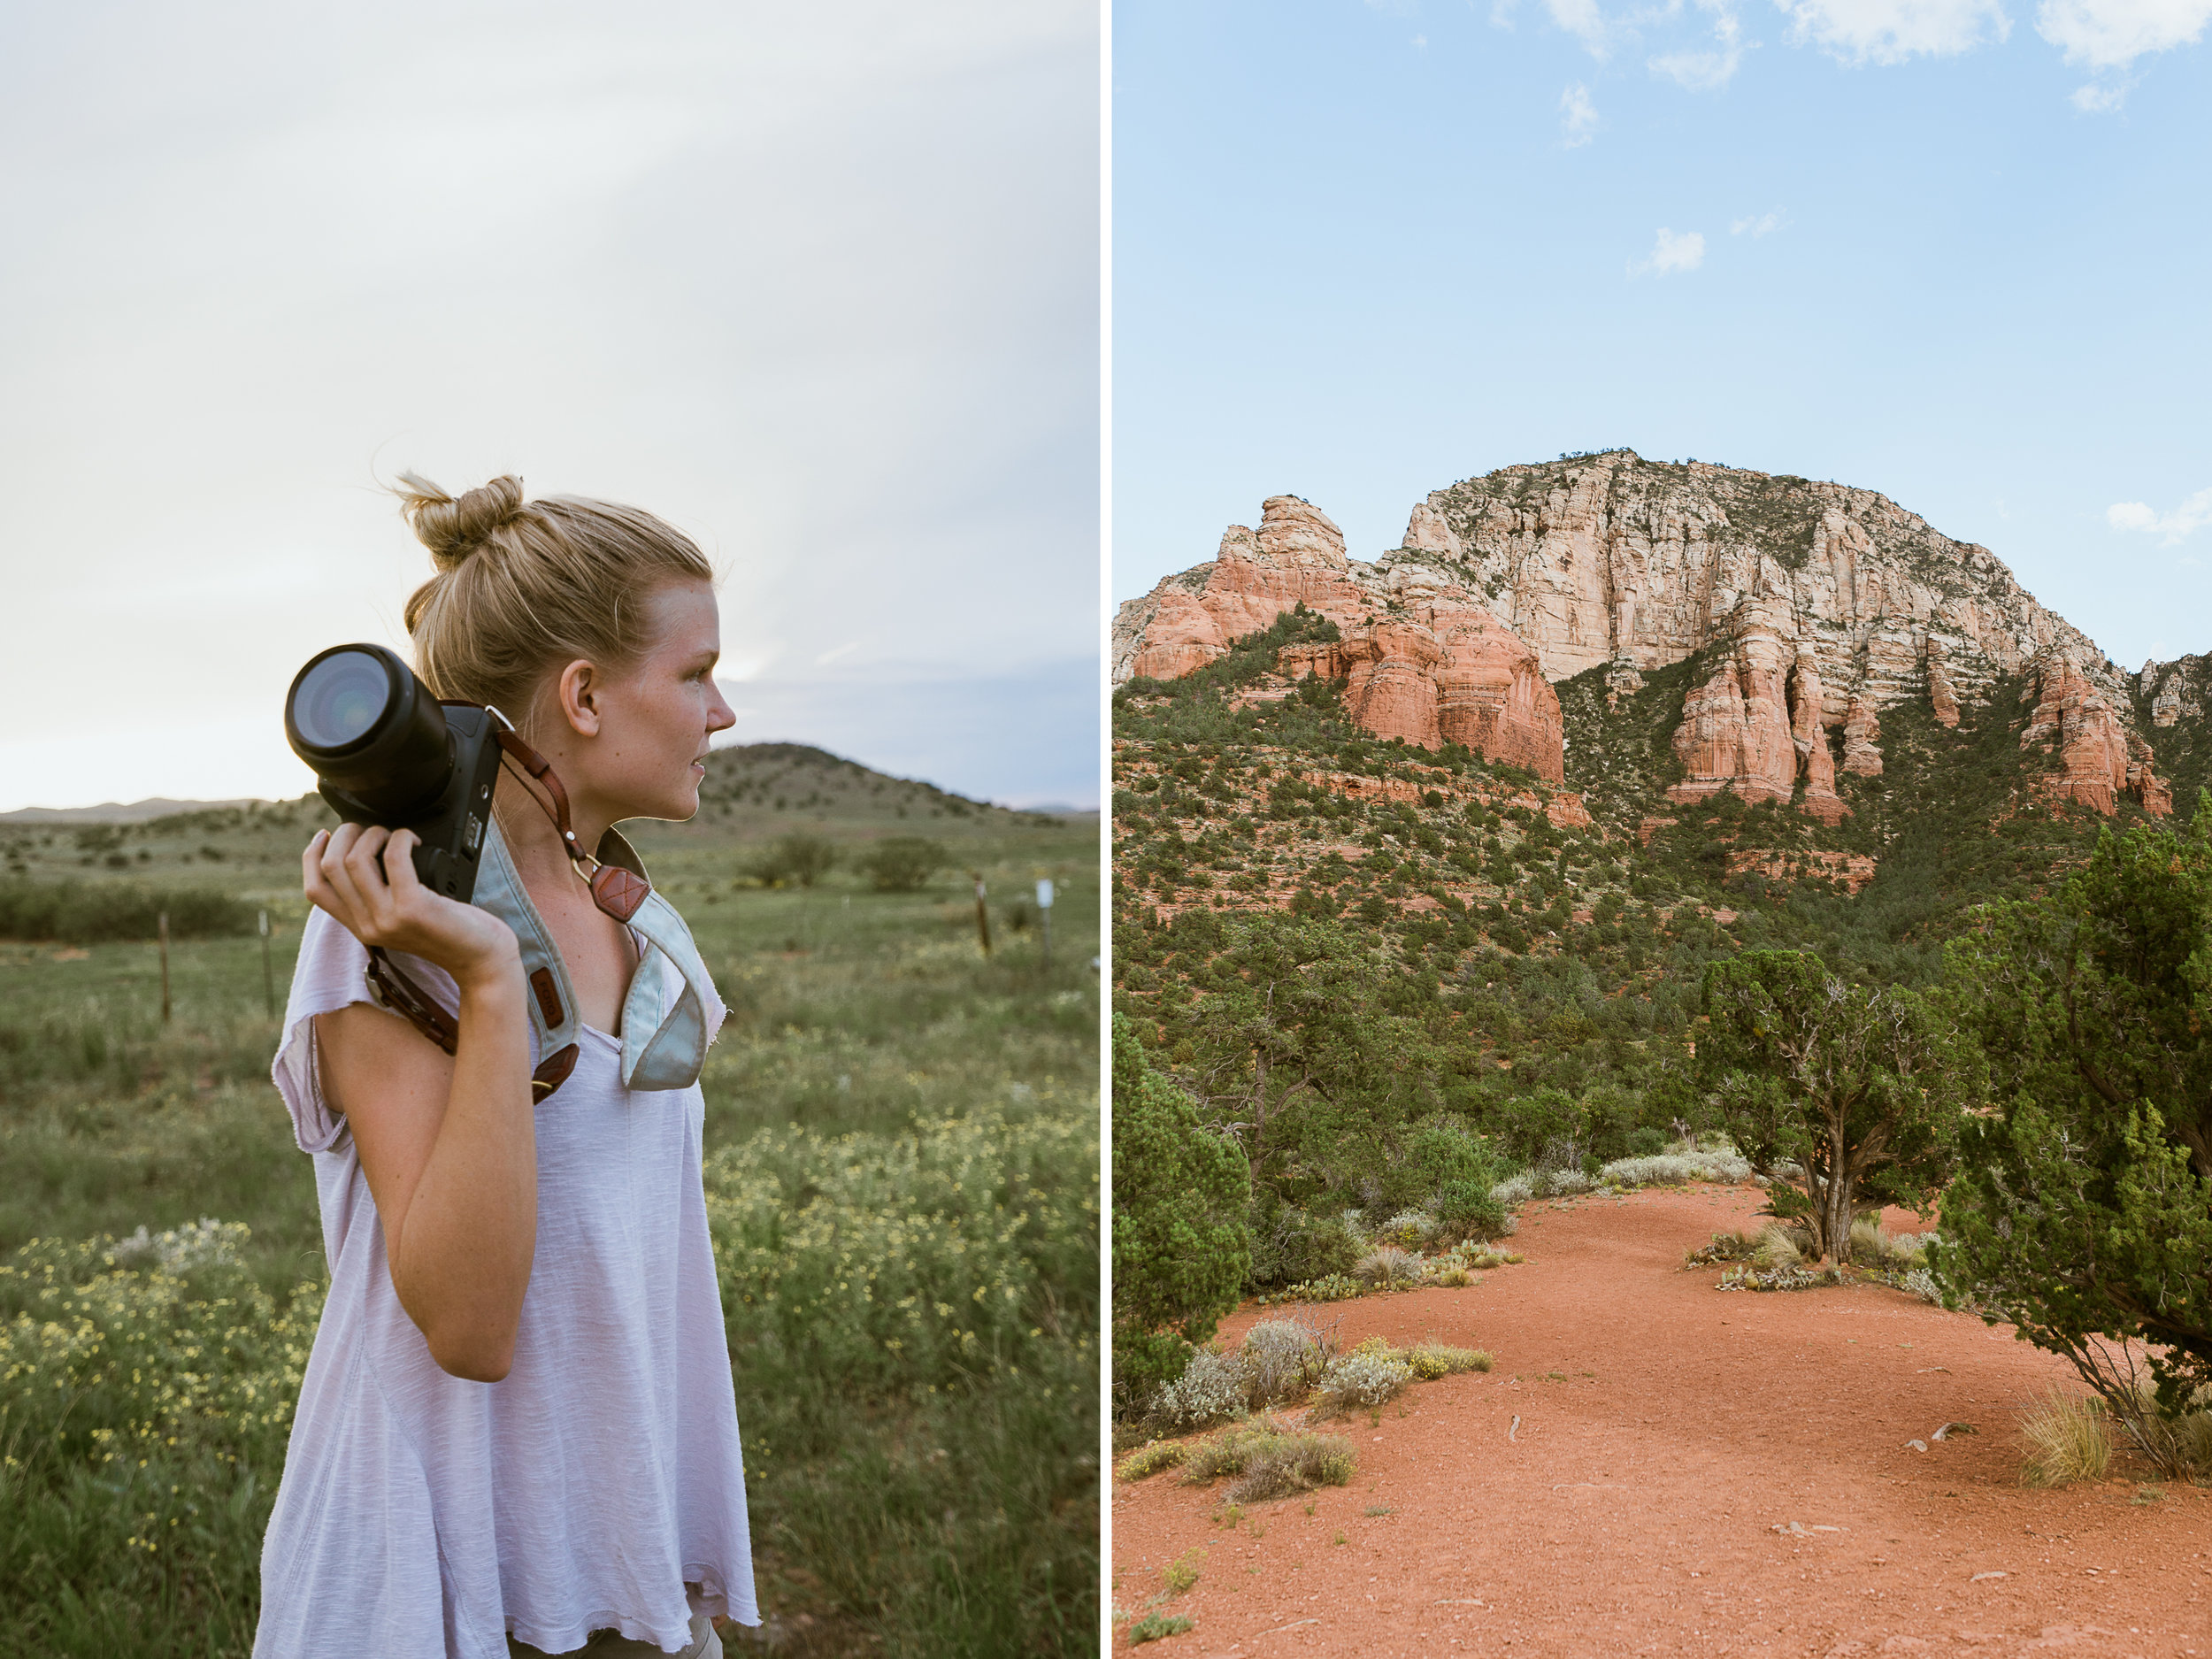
{"x": 1852, "y": 1094}
{"x": 1182, "y": 1244}
{"x": 2083, "y": 1214}
{"x": 903, "y": 863}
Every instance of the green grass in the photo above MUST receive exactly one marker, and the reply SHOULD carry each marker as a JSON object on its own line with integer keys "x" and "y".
{"x": 892, "y": 1118}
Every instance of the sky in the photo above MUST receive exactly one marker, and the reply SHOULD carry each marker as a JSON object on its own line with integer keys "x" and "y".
{"x": 820, "y": 284}
{"x": 1957, "y": 251}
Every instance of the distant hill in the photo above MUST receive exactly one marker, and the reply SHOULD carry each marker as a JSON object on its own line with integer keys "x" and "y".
{"x": 115, "y": 812}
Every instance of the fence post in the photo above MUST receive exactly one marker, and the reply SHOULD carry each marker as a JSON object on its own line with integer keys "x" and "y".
{"x": 982, "y": 916}
{"x": 1044, "y": 912}
{"x": 268, "y": 975}
{"x": 165, "y": 967}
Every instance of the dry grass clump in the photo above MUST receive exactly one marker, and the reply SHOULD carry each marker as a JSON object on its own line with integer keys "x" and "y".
{"x": 1780, "y": 1247}
{"x": 1874, "y": 1248}
{"x": 2069, "y": 1437}
{"x": 1387, "y": 1265}
{"x": 1431, "y": 1360}
{"x": 1270, "y": 1462}
{"x": 1149, "y": 1459}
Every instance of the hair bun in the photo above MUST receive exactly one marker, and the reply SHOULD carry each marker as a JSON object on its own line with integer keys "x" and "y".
{"x": 453, "y": 528}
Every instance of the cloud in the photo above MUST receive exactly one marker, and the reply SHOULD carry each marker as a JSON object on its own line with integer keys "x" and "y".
{"x": 1891, "y": 31}
{"x": 2109, "y": 36}
{"x": 1577, "y": 117}
{"x": 1671, "y": 253}
{"x": 1757, "y": 225}
{"x": 2113, "y": 33}
{"x": 1582, "y": 20}
{"x": 1707, "y": 71}
{"x": 2171, "y": 527}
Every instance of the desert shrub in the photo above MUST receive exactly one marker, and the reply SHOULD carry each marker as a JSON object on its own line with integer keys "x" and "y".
{"x": 1155, "y": 1625}
{"x": 1874, "y": 1248}
{"x": 1433, "y": 1360}
{"x": 74, "y": 913}
{"x": 1149, "y": 1459}
{"x": 2069, "y": 1437}
{"x": 1923, "y": 1284}
{"x": 1673, "y": 1169}
{"x": 1387, "y": 1266}
{"x": 1213, "y": 1388}
{"x": 799, "y": 859}
{"x": 1293, "y": 1246}
{"x": 1329, "y": 1287}
{"x": 903, "y": 863}
{"x": 1409, "y": 1229}
{"x": 1515, "y": 1189}
{"x": 1271, "y": 1462}
{"x": 1469, "y": 1210}
{"x": 1453, "y": 1277}
{"x": 1182, "y": 1245}
{"x": 1283, "y": 1359}
{"x": 1779, "y": 1248}
{"x": 1364, "y": 1378}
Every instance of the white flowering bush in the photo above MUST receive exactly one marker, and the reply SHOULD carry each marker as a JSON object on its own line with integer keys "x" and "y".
{"x": 1213, "y": 1388}
{"x": 1409, "y": 1229}
{"x": 1364, "y": 1378}
{"x": 1675, "y": 1169}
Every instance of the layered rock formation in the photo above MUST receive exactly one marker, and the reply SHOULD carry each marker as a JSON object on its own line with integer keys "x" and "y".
{"x": 1757, "y": 723}
{"x": 1420, "y": 659}
{"x": 2177, "y": 689}
{"x": 2099, "y": 759}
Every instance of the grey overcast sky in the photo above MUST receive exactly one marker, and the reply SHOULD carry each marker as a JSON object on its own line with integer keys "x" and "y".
{"x": 818, "y": 284}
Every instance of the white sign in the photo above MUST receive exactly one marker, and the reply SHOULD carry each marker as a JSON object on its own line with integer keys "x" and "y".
{"x": 1044, "y": 896}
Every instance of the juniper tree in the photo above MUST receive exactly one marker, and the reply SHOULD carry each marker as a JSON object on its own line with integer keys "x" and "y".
{"x": 2083, "y": 1214}
{"x": 1849, "y": 1095}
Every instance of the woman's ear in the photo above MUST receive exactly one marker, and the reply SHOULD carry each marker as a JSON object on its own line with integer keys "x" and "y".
{"x": 579, "y": 691}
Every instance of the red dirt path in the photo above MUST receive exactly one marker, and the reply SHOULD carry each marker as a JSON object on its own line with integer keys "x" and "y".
{"x": 1666, "y": 1429}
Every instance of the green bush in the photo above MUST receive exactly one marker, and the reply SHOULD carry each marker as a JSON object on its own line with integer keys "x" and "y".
{"x": 1182, "y": 1245}
{"x": 77, "y": 913}
{"x": 903, "y": 863}
{"x": 1292, "y": 1246}
{"x": 796, "y": 860}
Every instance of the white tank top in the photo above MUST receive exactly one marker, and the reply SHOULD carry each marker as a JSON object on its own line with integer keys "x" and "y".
{"x": 420, "y": 1514}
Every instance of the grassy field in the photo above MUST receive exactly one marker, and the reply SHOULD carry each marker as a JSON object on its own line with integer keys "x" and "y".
{"x": 901, "y": 1158}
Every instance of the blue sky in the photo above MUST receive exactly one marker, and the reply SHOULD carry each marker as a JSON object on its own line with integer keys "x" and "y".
{"x": 820, "y": 284}
{"x": 1958, "y": 252}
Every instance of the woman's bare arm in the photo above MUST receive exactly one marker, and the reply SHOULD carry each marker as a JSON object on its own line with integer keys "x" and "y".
{"x": 448, "y": 1143}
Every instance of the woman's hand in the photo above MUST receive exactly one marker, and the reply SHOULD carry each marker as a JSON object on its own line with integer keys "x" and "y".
{"x": 365, "y": 877}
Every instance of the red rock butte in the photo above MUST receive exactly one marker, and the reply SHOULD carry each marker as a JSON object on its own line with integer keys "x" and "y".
{"x": 1818, "y": 607}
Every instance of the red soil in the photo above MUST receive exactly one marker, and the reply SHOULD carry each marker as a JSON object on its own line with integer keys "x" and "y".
{"x": 1666, "y": 1431}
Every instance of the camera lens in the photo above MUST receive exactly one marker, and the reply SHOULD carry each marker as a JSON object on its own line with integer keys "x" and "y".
{"x": 371, "y": 730}
{"x": 340, "y": 698}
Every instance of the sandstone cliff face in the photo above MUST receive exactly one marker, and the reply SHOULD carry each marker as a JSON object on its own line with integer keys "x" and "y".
{"x": 2098, "y": 759}
{"x": 1420, "y": 658}
{"x": 2178, "y": 689}
{"x": 1758, "y": 723}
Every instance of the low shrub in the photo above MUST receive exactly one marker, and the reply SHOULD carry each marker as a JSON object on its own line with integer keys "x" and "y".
{"x": 1270, "y": 1462}
{"x": 1182, "y": 1573}
{"x": 1409, "y": 1229}
{"x": 1364, "y": 1378}
{"x": 1153, "y": 1626}
{"x": 1149, "y": 1459}
{"x": 1676, "y": 1169}
{"x": 903, "y": 863}
{"x": 798, "y": 859}
{"x": 93, "y": 913}
{"x": 1433, "y": 1360}
{"x": 1213, "y": 1388}
{"x": 1294, "y": 1247}
{"x": 1333, "y": 1287}
{"x": 1283, "y": 1360}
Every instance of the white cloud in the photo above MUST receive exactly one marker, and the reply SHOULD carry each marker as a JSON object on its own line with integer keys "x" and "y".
{"x": 1577, "y": 117}
{"x": 1582, "y": 20}
{"x": 2170, "y": 527}
{"x": 1671, "y": 253}
{"x": 1756, "y": 224}
{"x": 2112, "y": 33}
{"x": 1710, "y": 70}
{"x": 1891, "y": 31}
{"x": 2109, "y": 36}
{"x": 1501, "y": 14}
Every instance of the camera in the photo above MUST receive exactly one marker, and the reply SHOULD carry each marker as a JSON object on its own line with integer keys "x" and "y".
{"x": 385, "y": 751}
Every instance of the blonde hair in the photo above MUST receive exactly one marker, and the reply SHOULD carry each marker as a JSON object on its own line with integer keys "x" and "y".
{"x": 524, "y": 584}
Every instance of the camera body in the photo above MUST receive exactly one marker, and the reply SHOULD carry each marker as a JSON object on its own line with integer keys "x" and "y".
{"x": 385, "y": 751}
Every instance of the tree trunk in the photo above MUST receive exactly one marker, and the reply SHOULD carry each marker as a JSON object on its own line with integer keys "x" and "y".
{"x": 1837, "y": 1222}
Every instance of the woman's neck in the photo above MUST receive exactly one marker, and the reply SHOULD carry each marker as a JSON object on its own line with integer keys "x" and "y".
{"x": 531, "y": 840}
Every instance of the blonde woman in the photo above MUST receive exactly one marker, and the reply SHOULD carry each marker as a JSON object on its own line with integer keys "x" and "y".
{"x": 517, "y": 1434}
